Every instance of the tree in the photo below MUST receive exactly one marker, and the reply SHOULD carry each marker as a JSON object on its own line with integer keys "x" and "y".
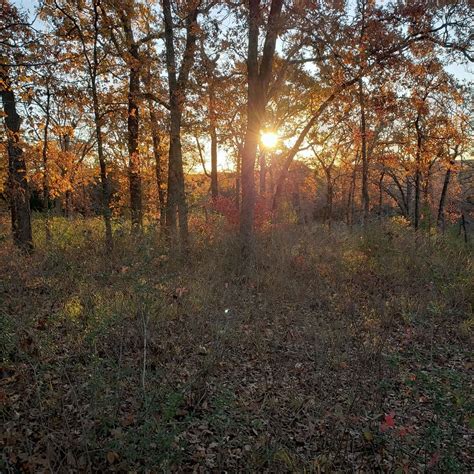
{"x": 157, "y": 152}
{"x": 130, "y": 49}
{"x": 211, "y": 79}
{"x": 85, "y": 28}
{"x": 389, "y": 33}
{"x": 12, "y": 28}
{"x": 177, "y": 85}
{"x": 18, "y": 190}
{"x": 259, "y": 75}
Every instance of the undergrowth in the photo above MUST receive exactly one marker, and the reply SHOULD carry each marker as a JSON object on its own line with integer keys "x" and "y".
{"x": 334, "y": 351}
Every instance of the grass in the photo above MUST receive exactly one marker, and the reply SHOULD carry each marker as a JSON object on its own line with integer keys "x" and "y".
{"x": 142, "y": 361}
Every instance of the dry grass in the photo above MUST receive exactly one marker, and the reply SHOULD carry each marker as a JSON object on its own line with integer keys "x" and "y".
{"x": 144, "y": 361}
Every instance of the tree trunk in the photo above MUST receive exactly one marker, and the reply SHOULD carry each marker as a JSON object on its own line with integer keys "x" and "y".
{"x": 464, "y": 227}
{"x": 68, "y": 194}
{"x": 417, "y": 199}
{"x": 68, "y": 204}
{"x": 444, "y": 192}
{"x": 45, "y": 152}
{"x": 329, "y": 198}
{"x": 46, "y": 164}
{"x": 365, "y": 161}
{"x": 271, "y": 174}
{"x": 211, "y": 85}
{"x": 133, "y": 130}
{"x": 417, "y": 172}
{"x": 254, "y": 117}
{"x": 382, "y": 175}
{"x": 350, "y": 200}
{"x": 258, "y": 79}
{"x": 158, "y": 170}
{"x": 427, "y": 214}
{"x": 349, "y": 203}
{"x": 247, "y": 176}
{"x": 176, "y": 202}
{"x": 104, "y": 179}
{"x": 263, "y": 174}
{"x": 237, "y": 180}
{"x": 213, "y": 136}
{"x": 408, "y": 197}
{"x": 18, "y": 190}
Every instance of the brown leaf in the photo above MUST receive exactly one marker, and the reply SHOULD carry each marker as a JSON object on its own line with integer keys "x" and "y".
{"x": 112, "y": 456}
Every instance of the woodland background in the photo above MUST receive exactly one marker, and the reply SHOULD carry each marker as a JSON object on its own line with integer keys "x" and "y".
{"x": 236, "y": 236}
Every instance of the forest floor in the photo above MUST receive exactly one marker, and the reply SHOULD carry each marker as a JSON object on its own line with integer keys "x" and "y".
{"x": 338, "y": 351}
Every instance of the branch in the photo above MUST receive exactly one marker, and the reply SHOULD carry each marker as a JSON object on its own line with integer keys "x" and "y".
{"x": 154, "y": 98}
{"x": 201, "y": 156}
{"x": 150, "y": 37}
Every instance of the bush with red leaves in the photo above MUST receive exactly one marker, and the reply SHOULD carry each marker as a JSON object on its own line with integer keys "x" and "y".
{"x": 226, "y": 206}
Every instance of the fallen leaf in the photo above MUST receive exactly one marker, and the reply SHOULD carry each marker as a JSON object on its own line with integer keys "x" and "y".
{"x": 388, "y": 423}
{"x": 368, "y": 435}
{"x": 112, "y": 456}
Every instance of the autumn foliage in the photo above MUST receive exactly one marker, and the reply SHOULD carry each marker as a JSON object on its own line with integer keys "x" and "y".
{"x": 236, "y": 236}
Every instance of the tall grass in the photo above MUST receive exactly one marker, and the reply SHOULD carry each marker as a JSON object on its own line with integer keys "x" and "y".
{"x": 141, "y": 352}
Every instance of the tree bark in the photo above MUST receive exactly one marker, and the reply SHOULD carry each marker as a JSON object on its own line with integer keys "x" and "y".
{"x": 134, "y": 61}
{"x": 382, "y": 175}
{"x": 408, "y": 197}
{"x": 213, "y": 136}
{"x": 263, "y": 174}
{"x": 18, "y": 189}
{"x": 364, "y": 156}
{"x": 464, "y": 227}
{"x": 254, "y": 119}
{"x": 350, "y": 200}
{"x": 417, "y": 172}
{"x": 104, "y": 179}
{"x": 68, "y": 195}
{"x": 258, "y": 79}
{"x": 158, "y": 170}
{"x": 45, "y": 152}
{"x": 237, "y": 179}
{"x": 329, "y": 197}
{"x": 133, "y": 130}
{"x": 176, "y": 203}
{"x": 444, "y": 192}
{"x": 46, "y": 164}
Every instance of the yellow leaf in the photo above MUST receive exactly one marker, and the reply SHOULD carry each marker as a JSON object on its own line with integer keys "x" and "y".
{"x": 368, "y": 435}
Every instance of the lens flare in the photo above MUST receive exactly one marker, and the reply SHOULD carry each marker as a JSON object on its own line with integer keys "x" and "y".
{"x": 269, "y": 139}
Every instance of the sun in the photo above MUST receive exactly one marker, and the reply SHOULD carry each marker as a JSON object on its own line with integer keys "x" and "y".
{"x": 269, "y": 139}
